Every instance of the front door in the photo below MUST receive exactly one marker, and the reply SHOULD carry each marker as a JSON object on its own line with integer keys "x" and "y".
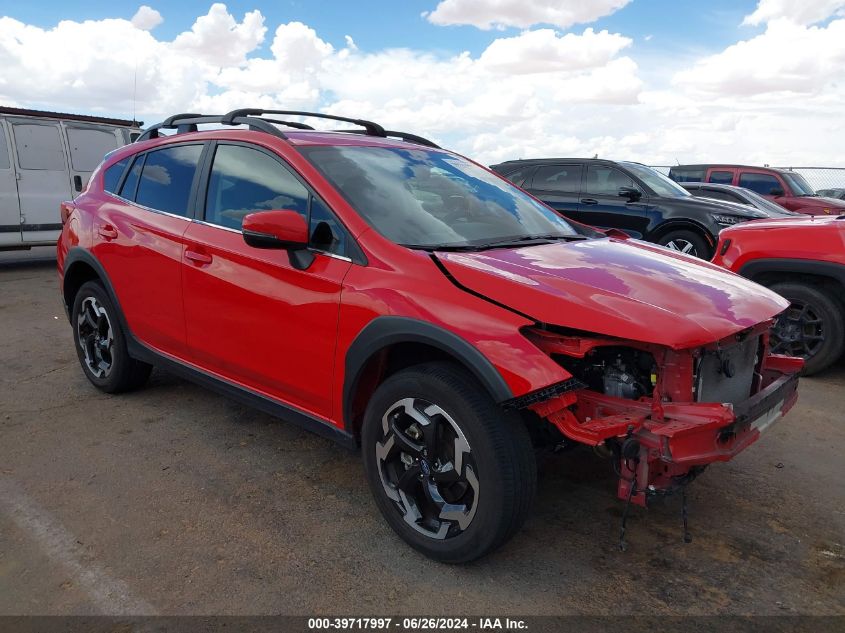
{"x": 252, "y": 317}
{"x": 10, "y": 211}
{"x": 602, "y": 206}
{"x": 43, "y": 180}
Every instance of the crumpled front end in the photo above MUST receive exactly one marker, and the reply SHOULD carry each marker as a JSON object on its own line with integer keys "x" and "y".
{"x": 664, "y": 413}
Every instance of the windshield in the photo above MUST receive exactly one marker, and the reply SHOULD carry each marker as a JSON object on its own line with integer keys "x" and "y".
{"x": 798, "y": 184}
{"x": 657, "y": 182}
{"x": 428, "y": 199}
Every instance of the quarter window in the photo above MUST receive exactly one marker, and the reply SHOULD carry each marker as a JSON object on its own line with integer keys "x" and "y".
{"x": 563, "y": 178}
{"x": 111, "y": 177}
{"x": 245, "y": 180}
{"x": 606, "y": 181}
{"x": 326, "y": 232}
{"x": 167, "y": 178}
{"x": 520, "y": 176}
{"x": 761, "y": 183}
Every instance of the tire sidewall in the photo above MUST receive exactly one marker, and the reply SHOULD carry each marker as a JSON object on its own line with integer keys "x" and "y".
{"x": 478, "y": 536}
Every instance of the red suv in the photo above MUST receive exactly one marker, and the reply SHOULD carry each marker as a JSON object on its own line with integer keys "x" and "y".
{"x": 391, "y": 295}
{"x": 787, "y": 188}
{"x": 801, "y": 259}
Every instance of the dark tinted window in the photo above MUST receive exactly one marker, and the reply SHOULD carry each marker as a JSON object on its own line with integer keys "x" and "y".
{"x": 564, "y": 178}
{"x": 111, "y": 178}
{"x": 719, "y": 195}
{"x": 605, "y": 181}
{"x": 327, "y": 234}
{"x": 519, "y": 176}
{"x": 245, "y": 180}
{"x": 130, "y": 185}
{"x": 721, "y": 177}
{"x": 761, "y": 183}
{"x": 167, "y": 178}
{"x": 686, "y": 174}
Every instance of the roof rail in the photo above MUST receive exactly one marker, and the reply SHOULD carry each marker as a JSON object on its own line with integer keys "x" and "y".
{"x": 373, "y": 129}
{"x": 253, "y": 117}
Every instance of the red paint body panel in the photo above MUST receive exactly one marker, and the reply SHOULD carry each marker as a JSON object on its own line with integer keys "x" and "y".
{"x": 623, "y": 289}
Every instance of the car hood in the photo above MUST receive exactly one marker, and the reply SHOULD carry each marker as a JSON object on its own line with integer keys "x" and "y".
{"x": 715, "y": 206}
{"x": 834, "y": 205}
{"x": 619, "y": 288}
{"x": 795, "y": 222}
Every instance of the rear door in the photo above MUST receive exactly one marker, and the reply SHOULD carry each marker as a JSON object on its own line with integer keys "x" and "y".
{"x": 558, "y": 186}
{"x": 601, "y": 205}
{"x": 43, "y": 180}
{"x": 88, "y": 145}
{"x": 10, "y": 211}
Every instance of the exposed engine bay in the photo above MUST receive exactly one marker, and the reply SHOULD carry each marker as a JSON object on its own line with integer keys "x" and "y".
{"x": 620, "y": 372}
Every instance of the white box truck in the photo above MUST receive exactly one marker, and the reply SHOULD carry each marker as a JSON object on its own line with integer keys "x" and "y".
{"x": 45, "y": 158}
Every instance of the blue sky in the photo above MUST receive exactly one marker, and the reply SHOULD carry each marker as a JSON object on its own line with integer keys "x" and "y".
{"x": 650, "y": 80}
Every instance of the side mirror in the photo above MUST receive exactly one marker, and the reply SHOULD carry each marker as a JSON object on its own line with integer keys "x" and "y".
{"x": 776, "y": 191}
{"x": 280, "y": 229}
{"x": 630, "y": 192}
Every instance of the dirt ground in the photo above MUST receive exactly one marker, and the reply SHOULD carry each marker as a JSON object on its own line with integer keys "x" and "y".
{"x": 173, "y": 500}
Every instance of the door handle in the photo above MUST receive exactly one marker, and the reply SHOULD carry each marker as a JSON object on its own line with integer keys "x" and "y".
{"x": 77, "y": 183}
{"x": 589, "y": 201}
{"x": 107, "y": 232}
{"x": 200, "y": 259}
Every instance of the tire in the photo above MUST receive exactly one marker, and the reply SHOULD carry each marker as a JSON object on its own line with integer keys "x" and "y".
{"x": 483, "y": 464}
{"x": 813, "y": 327}
{"x": 101, "y": 344}
{"x": 688, "y": 242}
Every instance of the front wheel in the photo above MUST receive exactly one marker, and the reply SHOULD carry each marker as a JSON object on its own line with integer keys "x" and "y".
{"x": 452, "y": 473}
{"x": 687, "y": 242}
{"x": 811, "y": 328}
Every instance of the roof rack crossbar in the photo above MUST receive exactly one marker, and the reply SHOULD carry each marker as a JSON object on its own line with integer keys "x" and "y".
{"x": 405, "y": 136}
{"x": 373, "y": 129}
{"x": 188, "y": 123}
{"x": 294, "y": 124}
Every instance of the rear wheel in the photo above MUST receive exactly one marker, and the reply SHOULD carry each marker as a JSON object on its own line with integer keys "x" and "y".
{"x": 687, "y": 242}
{"x": 101, "y": 343}
{"x": 812, "y": 327}
{"x": 453, "y": 475}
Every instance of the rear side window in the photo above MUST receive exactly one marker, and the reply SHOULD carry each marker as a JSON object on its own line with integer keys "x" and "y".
{"x": 761, "y": 183}
{"x": 564, "y": 178}
{"x": 721, "y": 177}
{"x": 39, "y": 147}
{"x": 4, "y": 150}
{"x": 88, "y": 146}
{"x": 111, "y": 177}
{"x": 719, "y": 195}
{"x": 245, "y": 180}
{"x": 686, "y": 174}
{"x": 606, "y": 181}
{"x": 167, "y": 178}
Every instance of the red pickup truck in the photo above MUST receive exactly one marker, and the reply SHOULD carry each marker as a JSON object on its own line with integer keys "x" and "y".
{"x": 787, "y": 188}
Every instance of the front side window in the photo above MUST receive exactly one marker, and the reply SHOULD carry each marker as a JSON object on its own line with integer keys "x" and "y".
{"x": 761, "y": 183}
{"x": 431, "y": 199}
{"x": 606, "y": 181}
{"x": 167, "y": 178}
{"x": 245, "y": 180}
{"x": 721, "y": 177}
{"x": 558, "y": 178}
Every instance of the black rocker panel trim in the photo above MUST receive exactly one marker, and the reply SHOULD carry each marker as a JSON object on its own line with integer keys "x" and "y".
{"x": 385, "y": 331}
{"x": 140, "y": 351}
{"x": 804, "y": 266}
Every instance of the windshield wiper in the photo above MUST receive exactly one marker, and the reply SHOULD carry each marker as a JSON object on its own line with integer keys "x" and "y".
{"x": 539, "y": 239}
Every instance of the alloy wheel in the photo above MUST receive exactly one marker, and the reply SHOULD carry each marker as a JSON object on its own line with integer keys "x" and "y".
{"x": 427, "y": 469}
{"x": 682, "y": 246}
{"x": 95, "y": 337}
{"x": 799, "y": 331}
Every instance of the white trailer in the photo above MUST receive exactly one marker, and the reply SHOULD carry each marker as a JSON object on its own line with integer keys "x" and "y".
{"x": 45, "y": 158}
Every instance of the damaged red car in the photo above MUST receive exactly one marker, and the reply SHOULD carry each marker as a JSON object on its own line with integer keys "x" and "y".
{"x": 400, "y": 298}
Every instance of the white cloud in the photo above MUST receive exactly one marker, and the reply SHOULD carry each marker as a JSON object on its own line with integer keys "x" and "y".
{"x": 800, "y": 11}
{"x": 146, "y": 18}
{"x": 487, "y": 14}
{"x": 216, "y": 38}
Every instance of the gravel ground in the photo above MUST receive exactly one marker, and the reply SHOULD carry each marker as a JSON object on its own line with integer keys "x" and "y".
{"x": 173, "y": 500}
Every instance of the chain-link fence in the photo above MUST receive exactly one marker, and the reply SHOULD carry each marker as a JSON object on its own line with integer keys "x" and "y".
{"x": 818, "y": 177}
